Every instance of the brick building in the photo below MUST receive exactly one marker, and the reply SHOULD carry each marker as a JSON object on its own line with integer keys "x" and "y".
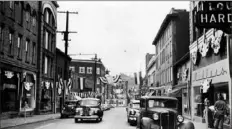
{"x": 171, "y": 44}
{"x": 25, "y": 48}
{"x": 84, "y": 71}
{"x": 18, "y": 55}
{"x": 59, "y": 78}
{"x": 47, "y": 56}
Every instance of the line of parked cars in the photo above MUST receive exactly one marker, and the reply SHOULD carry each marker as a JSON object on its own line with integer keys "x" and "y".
{"x": 85, "y": 109}
{"x": 156, "y": 112}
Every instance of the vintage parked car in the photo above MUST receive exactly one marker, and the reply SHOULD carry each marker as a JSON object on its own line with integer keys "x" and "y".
{"x": 160, "y": 112}
{"x": 89, "y": 109}
{"x": 69, "y": 108}
{"x": 132, "y": 111}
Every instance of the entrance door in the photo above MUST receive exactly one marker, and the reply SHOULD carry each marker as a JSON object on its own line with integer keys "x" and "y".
{"x": 9, "y": 100}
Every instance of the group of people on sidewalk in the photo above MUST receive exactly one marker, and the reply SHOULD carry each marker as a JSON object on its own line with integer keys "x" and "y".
{"x": 217, "y": 113}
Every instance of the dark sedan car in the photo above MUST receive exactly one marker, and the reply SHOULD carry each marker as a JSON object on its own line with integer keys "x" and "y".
{"x": 159, "y": 112}
{"x": 133, "y": 111}
{"x": 69, "y": 108}
{"x": 89, "y": 109}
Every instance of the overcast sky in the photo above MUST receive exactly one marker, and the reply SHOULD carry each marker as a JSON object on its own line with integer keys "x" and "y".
{"x": 120, "y": 32}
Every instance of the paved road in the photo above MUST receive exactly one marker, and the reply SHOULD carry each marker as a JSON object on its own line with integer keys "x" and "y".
{"x": 113, "y": 119}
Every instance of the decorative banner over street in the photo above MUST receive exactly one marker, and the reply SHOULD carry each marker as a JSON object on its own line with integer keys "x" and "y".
{"x": 109, "y": 79}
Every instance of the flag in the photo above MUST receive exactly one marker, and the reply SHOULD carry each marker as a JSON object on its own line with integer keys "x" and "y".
{"x": 81, "y": 82}
{"x": 140, "y": 78}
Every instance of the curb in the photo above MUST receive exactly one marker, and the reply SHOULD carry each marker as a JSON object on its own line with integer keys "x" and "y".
{"x": 21, "y": 124}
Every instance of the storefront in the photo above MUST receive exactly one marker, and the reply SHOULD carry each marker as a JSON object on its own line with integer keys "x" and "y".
{"x": 46, "y": 96}
{"x": 28, "y": 92}
{"x": 207, "y": 82}
{"x": 9, "y": 88}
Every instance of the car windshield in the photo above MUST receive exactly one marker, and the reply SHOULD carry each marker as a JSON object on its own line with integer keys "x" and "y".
{"x": 135, "y": 105}
{"x": 162, "y": 103}
{"x": 70, "y": 103}
{"x": 89, "y": 102}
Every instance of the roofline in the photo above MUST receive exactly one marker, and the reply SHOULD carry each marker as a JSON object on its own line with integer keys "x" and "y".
{"x": 164, "y": 24}
{"x": 62, "y": 53}
{"x": 56, "y": 4}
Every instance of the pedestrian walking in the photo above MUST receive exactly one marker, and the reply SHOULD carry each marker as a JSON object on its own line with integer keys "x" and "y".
{"x": 220, "y": 111}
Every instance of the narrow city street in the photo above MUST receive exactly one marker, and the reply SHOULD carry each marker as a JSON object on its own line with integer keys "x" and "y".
{"x": 114, "y": 118}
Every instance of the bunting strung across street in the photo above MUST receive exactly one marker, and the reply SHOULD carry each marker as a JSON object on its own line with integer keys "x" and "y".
{"x": 110, "y": 79}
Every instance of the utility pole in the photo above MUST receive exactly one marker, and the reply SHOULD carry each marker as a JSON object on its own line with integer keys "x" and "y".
{"x": 66, "y": 39}
{"x": 95, "y": 72}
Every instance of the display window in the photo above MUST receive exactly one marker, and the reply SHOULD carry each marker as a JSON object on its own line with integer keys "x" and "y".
{"x": 28, "y": 92}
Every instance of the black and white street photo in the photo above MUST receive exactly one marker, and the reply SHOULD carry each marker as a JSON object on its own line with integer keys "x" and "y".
{"x": 115, "y": 64}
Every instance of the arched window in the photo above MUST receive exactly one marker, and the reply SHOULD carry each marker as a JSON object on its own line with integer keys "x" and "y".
{"x": 49, "y": 18}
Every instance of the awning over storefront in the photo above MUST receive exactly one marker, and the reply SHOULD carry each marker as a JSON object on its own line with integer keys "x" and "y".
{"x": 175, "y": 92}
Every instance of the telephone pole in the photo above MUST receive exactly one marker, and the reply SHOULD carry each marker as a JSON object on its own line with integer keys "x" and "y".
{"x": 66, "y": 39}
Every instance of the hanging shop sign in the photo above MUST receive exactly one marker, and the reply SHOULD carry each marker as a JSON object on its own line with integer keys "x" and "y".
{"x": 214, "y": 14}
{"x": 28, "y": 85}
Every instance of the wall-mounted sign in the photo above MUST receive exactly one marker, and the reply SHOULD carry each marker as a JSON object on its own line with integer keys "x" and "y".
{"x": 214, "y": 14}
{"x": 9, "y": 86}
{"x": 9, "y": 74}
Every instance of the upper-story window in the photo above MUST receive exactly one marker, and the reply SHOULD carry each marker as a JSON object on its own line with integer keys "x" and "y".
{"x": 19, "y": 42}
{"x": 28, "y": 15}
{"x": 89, "y": 70}
{"x": 33, "y": 53}
{"x": 10, "y": 49}
{"x": 27, "y": 46}
{"x": 45, "y": 65}
{"x": 11, "y": 4}
{"x": 46, "y": 38}
{"x": 47, "y": 16}
{"x": 1, "y": 39}
{"x": 98, "y": 71}
{"x": 81, "y": 69}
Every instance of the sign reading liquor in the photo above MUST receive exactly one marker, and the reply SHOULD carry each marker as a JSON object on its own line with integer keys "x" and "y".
{"x": 214, "y": 14}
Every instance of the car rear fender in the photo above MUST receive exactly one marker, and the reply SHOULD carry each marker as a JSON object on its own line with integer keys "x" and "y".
{"x": 146, "y": 122}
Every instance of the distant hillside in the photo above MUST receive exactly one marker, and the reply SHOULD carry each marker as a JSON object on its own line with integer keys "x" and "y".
{"x": 131, "y": 81}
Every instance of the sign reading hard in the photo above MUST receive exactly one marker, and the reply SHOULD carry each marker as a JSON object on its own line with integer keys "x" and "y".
{"x": 214, "y": 14}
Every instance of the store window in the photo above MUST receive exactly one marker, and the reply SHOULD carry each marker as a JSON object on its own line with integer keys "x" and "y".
{"x": 28, "y": 92}
{"x": 46, "y": 97}
{"x": 186, "y": 109}
{"x": 198, "y": 106}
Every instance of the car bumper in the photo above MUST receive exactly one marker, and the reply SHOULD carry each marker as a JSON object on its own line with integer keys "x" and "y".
{"x": 86, "y": 117}
{"x": 67, "y": 113}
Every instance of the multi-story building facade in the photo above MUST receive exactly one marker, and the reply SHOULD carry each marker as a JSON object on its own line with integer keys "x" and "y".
{"x": 150, "y": 71}
{"x": 46, "y": 56}
{"x": 61, "y": 58}
{"x": 171, "y": 45}
{"x": 18, "y": 55}
{"x": 210, "y": 63}
{"x": 88, "y": 72}
{"x": 181, "y": 88}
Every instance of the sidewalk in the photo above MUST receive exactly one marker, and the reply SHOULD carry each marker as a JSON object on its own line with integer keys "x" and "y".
{"x": 21, "y": 120}
{"x": 197, "y": 125}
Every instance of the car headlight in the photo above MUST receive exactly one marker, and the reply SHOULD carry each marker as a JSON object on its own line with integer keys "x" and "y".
{"x": 180, "y": 118}
{"x": 155, "y": 116}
